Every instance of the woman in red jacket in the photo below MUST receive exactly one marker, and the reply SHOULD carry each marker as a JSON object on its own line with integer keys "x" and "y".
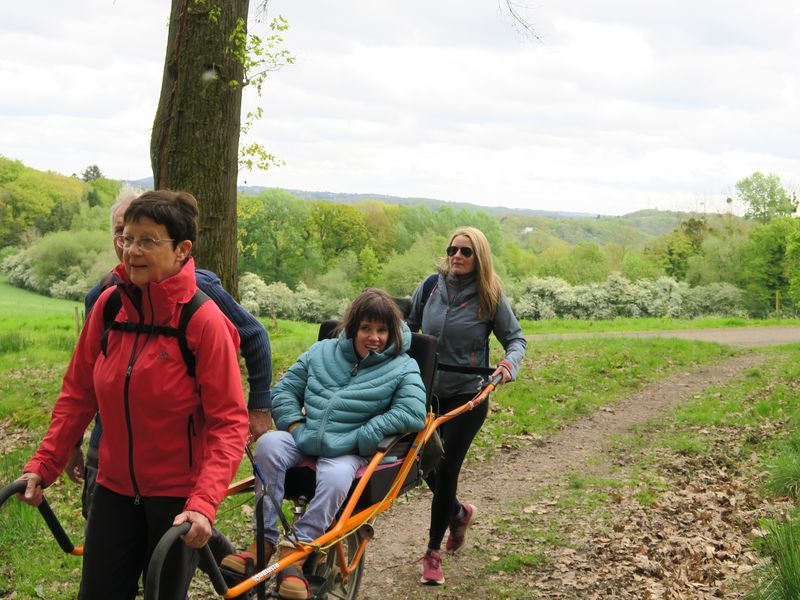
{"x": 172, "y": 441}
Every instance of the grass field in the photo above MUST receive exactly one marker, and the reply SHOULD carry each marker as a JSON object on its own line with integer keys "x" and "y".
{"x": 646, "y": 324}
{"x": 560, "y": 381}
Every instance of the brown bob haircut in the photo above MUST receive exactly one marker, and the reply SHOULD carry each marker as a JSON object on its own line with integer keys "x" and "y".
{"x": 177, "y": 211}
{"x": 375, "y": 305}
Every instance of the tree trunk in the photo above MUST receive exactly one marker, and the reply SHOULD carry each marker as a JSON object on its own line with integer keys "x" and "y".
{"x": 195, "y": 142}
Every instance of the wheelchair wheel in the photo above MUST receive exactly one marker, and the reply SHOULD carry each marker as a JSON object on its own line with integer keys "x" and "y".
{"x": 328, "y": 576}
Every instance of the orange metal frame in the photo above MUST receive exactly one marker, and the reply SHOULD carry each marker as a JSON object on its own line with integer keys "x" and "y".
{"x": 348, "y": 523}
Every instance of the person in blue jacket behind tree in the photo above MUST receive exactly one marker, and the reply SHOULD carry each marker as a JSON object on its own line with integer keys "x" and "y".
{"x": 461, "y": 306}
{"x": 335, "y": 404}
{"x": 254, "y": 347}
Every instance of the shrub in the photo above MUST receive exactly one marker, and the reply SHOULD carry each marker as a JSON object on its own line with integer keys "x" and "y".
{"x": 308, "y": 305}
{"x": 8, "y": 251}
{"x": 278, "y": 301}
{"x": 64, "y": 264}
{"x": 539, "y": 299}
{"x": 252, "y": 288}
{"x": 722, "y": 299}
{"x": 275, "y": 300}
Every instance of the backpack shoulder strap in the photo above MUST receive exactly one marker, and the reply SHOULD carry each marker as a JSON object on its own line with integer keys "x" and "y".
{"x": 427, "y": 288}
{"x": 187, "y": 312}
{"x": 110, "y": 310}
{"x": 114, "y": 303}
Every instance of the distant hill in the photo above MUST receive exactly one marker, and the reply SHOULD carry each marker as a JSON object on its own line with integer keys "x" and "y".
{"x": 572, "y": 227}
{"x": 347, "y": 198}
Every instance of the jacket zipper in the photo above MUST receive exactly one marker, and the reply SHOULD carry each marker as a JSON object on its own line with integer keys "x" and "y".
{"x": 190, "y": 433}
{"x": 126, "y": 397}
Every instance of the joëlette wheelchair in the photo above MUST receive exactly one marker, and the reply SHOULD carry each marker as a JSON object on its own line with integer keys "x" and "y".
{"x": 334, "y": 562}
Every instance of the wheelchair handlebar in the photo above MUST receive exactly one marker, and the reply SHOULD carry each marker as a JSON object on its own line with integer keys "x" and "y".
{"x": 18, "y": 487}
{"x": 160, "y": 552}
{"x": 494, "y": 381}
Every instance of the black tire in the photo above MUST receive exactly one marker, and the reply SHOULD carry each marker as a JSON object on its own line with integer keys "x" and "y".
{"x": 327, "y": 573}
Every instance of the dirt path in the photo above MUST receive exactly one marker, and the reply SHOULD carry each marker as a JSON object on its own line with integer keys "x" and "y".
{"x": 391, "y": 570}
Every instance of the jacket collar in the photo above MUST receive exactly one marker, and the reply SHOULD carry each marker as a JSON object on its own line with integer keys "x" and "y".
{"x": 155, "y": 303}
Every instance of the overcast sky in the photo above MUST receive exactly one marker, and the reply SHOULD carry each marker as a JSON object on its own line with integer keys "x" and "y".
{"x": 622, "y": 105}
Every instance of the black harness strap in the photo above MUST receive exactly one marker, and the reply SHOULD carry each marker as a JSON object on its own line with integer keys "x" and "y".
{"x": 187, "y": 312}
{"x": 488, "y": 371}
{"x": 114, "y": 303}
{"x": 110, "y": 310}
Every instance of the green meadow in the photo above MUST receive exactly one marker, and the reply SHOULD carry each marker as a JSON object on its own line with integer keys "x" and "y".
{"x": 561, "y": 380}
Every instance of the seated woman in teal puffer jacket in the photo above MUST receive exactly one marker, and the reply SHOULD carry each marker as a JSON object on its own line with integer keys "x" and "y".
{"x": 335, "y": 404}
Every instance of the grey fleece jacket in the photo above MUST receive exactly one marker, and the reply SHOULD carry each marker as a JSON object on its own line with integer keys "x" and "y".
{"x": 463, "y": 338}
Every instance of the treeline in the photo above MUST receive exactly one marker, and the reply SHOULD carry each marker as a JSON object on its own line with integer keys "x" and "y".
{"x": 303, "y": 259}
{"x": 579, "y": 268}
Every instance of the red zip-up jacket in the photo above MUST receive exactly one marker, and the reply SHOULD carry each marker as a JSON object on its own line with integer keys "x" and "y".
{"x": 164, "y": 432}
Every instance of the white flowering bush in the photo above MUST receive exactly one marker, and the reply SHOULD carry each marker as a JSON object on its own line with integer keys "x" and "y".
{"x": 64, "y": 264}
{"x": 309, "y": 305}
{"x": 540, "y": 299}
{"x": 275, "y": 300}
{"x": 548, "y": 298}
{"x": 722, "y": 299}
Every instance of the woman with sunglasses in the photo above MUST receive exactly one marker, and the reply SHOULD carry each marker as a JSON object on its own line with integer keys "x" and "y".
{"x": 462, "y": 305}
{"x": 172, "y": 439}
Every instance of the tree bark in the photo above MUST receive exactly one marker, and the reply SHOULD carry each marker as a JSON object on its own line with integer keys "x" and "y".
{"x": 195, "y": 142}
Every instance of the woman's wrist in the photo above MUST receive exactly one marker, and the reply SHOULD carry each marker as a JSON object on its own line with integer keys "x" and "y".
{"x": 503, "y": 364}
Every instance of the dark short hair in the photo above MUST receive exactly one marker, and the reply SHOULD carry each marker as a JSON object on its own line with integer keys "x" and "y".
{"x": 374, "y": 304}
{"x": 177, "y": 211}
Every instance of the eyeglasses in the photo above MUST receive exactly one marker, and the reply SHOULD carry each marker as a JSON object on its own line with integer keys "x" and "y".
{"x": 144, "y": 244}
{"x": 466, "y": 251}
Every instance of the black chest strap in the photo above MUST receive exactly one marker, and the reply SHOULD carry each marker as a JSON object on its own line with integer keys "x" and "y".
{"x": 114, "y": 303}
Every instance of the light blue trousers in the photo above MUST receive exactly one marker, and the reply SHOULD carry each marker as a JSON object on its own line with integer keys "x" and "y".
{"x": 275, "y": 453}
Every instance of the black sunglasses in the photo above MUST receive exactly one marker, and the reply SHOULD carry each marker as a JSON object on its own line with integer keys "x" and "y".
{"x": 466, "y": 251}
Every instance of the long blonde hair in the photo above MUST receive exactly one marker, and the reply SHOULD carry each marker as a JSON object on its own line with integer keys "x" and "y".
{"x": 490, "y": 288}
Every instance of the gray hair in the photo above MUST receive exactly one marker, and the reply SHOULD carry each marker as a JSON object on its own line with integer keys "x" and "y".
{"x": 126, "y": 195}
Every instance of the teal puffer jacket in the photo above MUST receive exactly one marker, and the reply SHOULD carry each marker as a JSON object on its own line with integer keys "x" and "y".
{"x": 350, "y": 404}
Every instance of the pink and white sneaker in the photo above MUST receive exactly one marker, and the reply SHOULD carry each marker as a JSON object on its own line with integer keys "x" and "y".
{"x": 458, "y": 528}
{"x": 432, "y": 568}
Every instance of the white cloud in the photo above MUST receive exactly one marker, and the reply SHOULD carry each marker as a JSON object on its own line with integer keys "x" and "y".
{"x": 625, "y": 104}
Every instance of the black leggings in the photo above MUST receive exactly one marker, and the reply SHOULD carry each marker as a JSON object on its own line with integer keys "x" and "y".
{"x": 457, "y": 436}
{"x": 121, "y": 537}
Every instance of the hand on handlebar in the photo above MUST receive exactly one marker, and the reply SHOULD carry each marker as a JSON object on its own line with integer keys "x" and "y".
{"x": 33, "y": 491}
{"x": 200, "y": 531}
{"x": 503, "y": 372}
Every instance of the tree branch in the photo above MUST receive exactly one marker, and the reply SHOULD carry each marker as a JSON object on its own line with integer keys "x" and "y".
{"x": 520, "y": 23}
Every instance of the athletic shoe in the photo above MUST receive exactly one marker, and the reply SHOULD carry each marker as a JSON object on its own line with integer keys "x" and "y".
{"x": 243, "y": 563}
{"x": 291, "y": 582}
{"x": 458, "y": 528}
{"x": 432, "y": 568}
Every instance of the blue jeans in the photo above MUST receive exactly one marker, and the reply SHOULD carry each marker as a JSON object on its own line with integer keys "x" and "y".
{"x": 276, "y": 453}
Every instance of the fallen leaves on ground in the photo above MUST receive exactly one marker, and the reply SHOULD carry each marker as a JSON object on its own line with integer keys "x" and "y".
{"x": 692, "y": 541}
